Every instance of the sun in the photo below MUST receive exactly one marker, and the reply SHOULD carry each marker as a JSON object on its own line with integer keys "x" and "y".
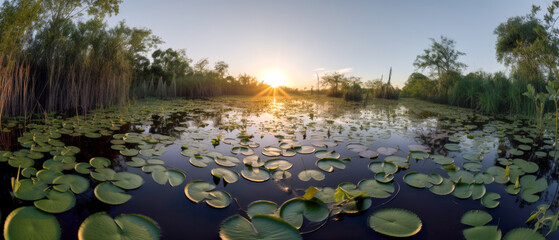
{"x": 274, "y": 78}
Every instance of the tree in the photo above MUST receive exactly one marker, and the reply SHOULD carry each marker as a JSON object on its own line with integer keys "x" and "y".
{"x": 170, "y": 64}
{"x": 419, "y": 86}
{"x": 441, "y": 58}
{"x": 221, "y": 68}
{"x": 335, "y": 81}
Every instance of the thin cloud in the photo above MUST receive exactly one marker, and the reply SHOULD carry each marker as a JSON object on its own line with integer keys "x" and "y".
{"x": 345, "y": 70}
{"x": 319, "y": 69}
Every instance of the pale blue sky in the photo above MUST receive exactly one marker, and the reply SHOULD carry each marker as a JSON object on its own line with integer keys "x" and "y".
{"x": 301, "y": 37}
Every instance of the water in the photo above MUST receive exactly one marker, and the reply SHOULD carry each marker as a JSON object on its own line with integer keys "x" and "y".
{"x": 383, "y": 124}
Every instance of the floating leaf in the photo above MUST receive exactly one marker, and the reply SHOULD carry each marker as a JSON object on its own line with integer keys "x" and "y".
{"x": 383, "y": 166}
{"x": 262, "y": 227}
{"x": 399, "y": 161}
{"x": 128, "y": 180}
{"x": 490, "y": 200}
{"x": 72, "y": 182}
{"x": 417, "y": 180}
{"x": 482, "y": 232}
{"x": 305, "y": 149}
{"x": 307, "y": 175}
{"x": 110, "y": 194}
{"x": 227, "y": 161}
{"x": 31, "y": 223}
{"x": 369, "y": 154}
{"x": 476, "y": 218}
{"x": 523, "y": 234}
{"x": 173, "y": 176}
{"x": 395, "y": 222}
{"x": 261, "y": 207}
{"x": 255, "y": 174}
{"x": 199, "y": 190}
{"x": 278, "y": 163}
{"x": 253, "y": 161}
{"x": 293, "y": 210}
{"x": 99, "y": 162}
{"x": 445, "y": 188}
{"x": 125, "y": 226}
{"x": 327, "y": 154}
{"x": 387, "y": 151}
{"x": 129, "y": 152}
{"x": 29, "y": 190}
{"x": 56, "y": 202}
{"x": 329, "y": 164}
{"x": 200, "y": 161}
{"x": 228, "y": 175}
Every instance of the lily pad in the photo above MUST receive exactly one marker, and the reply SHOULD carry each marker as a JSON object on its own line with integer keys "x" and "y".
{"x": 31, "y": 223}
{"x": 305, "y": 149}
{"x": 261, "y": 207}
{"x": 228, "y": 175}
{"x": 523, "y": 234}
{"x": 56, "y": 202}
{"x": 128, "y": 180}
{"x": 198, "y": 190}
{"x": 255, "y": 174}
{"x": 482, "y": 232}
{"x": 99, "y": 162}
{"x": 278, "y": 163}
{"x": 253, "y": 161}
{"x": 399, "y": 161}
{"x": 125, "y": 226}
{"x": 200, "y": 161}
{"x": 329, "y": 164}
{"x": 417, "y": 180}
{"x": 445, "y": 188}
{"x": 293, "y": 210}
{"x": 490, "y": 200}
{"x": 227, "y": 161}
{"x": 369, "y": 154}
{"x": 77, "y": 184}
{"x": 262, "y": 227}
{"x": 395, "y": 222}
{"x": 327, "y": 154}
{"x": 173, "y": 176}
{"x": 383, "y": 166}
{"x": 110, "y": 194}
{"x": 307, "y": 175}
{"x": 376, "y": 189}
{"x": 476, "y": 218}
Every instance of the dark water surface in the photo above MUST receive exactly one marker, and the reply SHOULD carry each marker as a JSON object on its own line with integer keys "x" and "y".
{"x": 383, "y": 124}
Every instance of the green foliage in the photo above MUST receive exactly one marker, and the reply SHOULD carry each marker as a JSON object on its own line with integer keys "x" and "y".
{"x": 419, "y": 86}
{"x": 540, "y": 218}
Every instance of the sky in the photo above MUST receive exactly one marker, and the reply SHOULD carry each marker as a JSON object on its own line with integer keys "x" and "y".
{"x": 300, "y": 38}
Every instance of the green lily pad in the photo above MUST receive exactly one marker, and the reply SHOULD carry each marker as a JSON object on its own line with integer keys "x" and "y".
{"x": 357, "y": 205}
{"x": 255, "y": 174}
{"x": 262, "y": 227}
{"x": 528, "y": 167}
{"x": 293, "y": 210}
{"x": 261, "y": 207}
{"x": 473, "y": 156}
{"x": 56, "y": 202}
{"x": 417, "y": 180}
{"x": 21, "y": 162}
{"x": 395, "y": 222}
{"x": 462, "y": 190}
{"x": 26, "y": 189}
{"x": 452, "y": 147}
{"x": 305, "y": 149}
{"x": 271, "y": 151}
{"x": 99, "y": 162}
{"x": 369, "y": 154}
{"x": 253, "y": 161}
{"x": 227, "y": 161}
{"x": 128, "y": 180}
{"x": 523, "y": 234}
{"x": 77, "y": 184}
{"x": 383, "y": 166}
{"x": 482, "y": 232}
{"x": 279, "y": 175}
{"x": 31, "y": 223}
{"x": 28, "y": 172}
{"x": 307, "y": 175}
{"x": 516, "y": 152}
{"x": 277, "y": 163}
{"x": 125, "y": 227}
{"x": 326, "y": 195}
{"x": 103, "y": 174}
{"x": 461, "y": 176}
{"x": 329, "y": 164}
{"x": 440, "y": 159}
{"x": 198, "y": 190}
{"x": 476, "y": 218}
{"x": 129, "y": 152}
{"x": 478, "y": 191}
{"x": 399, "y": 161}
{"x": 245, "y": 150}
{"x": 472, "y": 166}
{"x": 173, "y": 176}
{"x": 490, "y": 200}
{"x": 228, "y": 175}
{"x": 445, "y": 188}
{"x": 200, "y": 161}
{"x": 418, "y": 155}
{"x": 110, "y": 194}
{"x": 136, "y": 162}
{"x": 387, "y": 150}
{"x": 327, "y": 154}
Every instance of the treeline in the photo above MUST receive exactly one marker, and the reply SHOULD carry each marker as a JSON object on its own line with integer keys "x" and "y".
{"x": 352, "y": 88}
{"x": 526, "y": 44}
{"x": 60, "y": 55}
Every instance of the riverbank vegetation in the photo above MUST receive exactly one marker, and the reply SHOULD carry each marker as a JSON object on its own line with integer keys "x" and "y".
{"x": 526, "y": 44}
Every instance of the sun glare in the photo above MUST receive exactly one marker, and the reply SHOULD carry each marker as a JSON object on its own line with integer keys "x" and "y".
{"x": 274, "y": 78}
